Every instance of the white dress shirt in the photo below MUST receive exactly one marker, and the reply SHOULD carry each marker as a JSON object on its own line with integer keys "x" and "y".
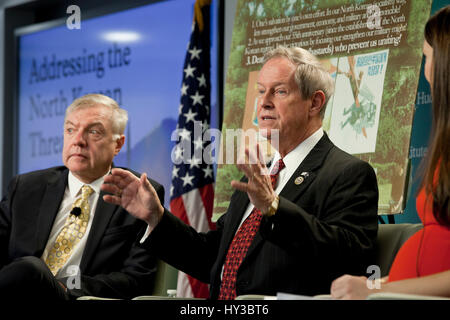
{"x": 72, "y": 192}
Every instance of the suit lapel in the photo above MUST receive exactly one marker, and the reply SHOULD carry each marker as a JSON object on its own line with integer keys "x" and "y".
{"x": 103, "y": 213}
{"x": 49, "y": 207}
{"x": 307, "y": 170}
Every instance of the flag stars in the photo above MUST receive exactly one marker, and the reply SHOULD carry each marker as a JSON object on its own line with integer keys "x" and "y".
{"x": 197, "y": 98}
{"x": 205, "y": 125}
{"x": 195, "y": 53}
{"x": 195, "y": 162}
{"x": 178, "y": 152}
{"x": 175, "y": 172}
{"x": 189, "y": 71}
{"x": 187, "y": 179}
{"x": 184, "y": 89}
{"x": 208, "y": 172}
{"x": 184, "y": 134}
{"x": 190, "y": 116}
{"x": 198, "y": 143}
{"x": 201, "y": 81}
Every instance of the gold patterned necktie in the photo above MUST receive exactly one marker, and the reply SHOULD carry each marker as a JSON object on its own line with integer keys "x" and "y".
{"x": 71, "y": 233}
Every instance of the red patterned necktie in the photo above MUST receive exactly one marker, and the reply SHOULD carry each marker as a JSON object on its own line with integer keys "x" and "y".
{"x": 241, "y": 242}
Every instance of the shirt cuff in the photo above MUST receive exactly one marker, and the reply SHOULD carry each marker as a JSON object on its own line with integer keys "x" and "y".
{"x": 146, "y": 234}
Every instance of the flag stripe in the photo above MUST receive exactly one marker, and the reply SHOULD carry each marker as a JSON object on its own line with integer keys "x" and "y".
{"x": 177, "y": 207}
{"x": 207, "y": 194}
{"x": 196, "y": 213}
{"x": 201, "y": 289}
{"x": 184, "y": 288}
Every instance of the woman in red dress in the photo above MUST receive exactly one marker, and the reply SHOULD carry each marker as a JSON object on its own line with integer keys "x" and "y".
{"x": 422, "y": 265}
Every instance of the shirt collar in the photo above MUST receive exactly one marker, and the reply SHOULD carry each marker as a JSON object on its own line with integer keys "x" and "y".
{"x": 296, "y": 156}
{"x": 75, "y": 185}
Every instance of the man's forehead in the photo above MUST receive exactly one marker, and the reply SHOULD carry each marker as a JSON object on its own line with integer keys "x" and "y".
{"x": 90, "y": 114}
{"x": 276, "y": 70}
{"x": 279, "y": 62}
{"x": 275, "y": 78}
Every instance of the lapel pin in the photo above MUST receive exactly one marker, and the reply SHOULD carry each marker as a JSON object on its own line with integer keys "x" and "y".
{"x": 299, "y": 180}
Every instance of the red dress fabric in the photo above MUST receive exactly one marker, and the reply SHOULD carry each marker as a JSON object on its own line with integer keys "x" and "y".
{"x": 427, "y": 251}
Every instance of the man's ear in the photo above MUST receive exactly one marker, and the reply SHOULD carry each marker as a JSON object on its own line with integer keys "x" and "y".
{"x": 119, "y": 144}
{"x": 317, "y": 102}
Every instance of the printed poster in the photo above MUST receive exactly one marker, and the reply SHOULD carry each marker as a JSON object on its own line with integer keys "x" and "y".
{"x": 372, "y": 49}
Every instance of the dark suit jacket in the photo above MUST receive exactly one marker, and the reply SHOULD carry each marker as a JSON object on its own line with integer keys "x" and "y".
{"x": 324, "y": 227}
{"x": 112, "y": 265}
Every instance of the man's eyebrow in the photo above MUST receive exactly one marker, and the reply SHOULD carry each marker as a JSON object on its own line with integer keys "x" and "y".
{"x": 276, "y": 84}
{"x": 93, "y": 124}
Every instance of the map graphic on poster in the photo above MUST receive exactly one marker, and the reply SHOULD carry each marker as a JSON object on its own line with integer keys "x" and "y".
{"x": 357, "y": 102}
{"x": 372, "y": 49}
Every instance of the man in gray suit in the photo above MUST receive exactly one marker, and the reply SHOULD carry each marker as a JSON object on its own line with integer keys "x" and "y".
{"x": 313, "y": 218}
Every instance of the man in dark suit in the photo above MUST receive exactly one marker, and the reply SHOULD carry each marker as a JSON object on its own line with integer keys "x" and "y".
{"x": 293, "y": 231}
{"x": 58, "y": 240}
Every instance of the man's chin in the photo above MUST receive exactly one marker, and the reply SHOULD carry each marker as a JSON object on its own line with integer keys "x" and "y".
{"x": 77, "y": 166}
{"x": 268, "y": 133}
{"x": 83, "y": 174}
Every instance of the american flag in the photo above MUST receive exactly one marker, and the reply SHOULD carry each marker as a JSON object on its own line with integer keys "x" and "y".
{"x": 192, "y": 190}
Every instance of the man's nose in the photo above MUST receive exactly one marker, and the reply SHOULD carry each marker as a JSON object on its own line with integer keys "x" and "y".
{"x": 79, "y": 139}
{"x": 266, "y": 102}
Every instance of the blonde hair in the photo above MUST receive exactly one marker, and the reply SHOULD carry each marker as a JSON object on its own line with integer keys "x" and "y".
{"x": 119, "y": 116}
{"x": 310, "y": 75}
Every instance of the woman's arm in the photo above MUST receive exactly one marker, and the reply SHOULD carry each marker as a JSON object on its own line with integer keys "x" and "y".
{"x": 351, "y": 287}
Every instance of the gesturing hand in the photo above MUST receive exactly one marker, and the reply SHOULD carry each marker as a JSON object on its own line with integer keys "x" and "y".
{"x": 259, "y": 186}
{"x": 135, "y": 195}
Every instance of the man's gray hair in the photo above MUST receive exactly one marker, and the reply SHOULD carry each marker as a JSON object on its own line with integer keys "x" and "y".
{"x": 119, "y": 116}
{"x": 310, "y": 75}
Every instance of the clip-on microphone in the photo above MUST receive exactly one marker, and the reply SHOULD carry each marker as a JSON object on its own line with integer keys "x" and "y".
{"x": 76, "y": 211}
